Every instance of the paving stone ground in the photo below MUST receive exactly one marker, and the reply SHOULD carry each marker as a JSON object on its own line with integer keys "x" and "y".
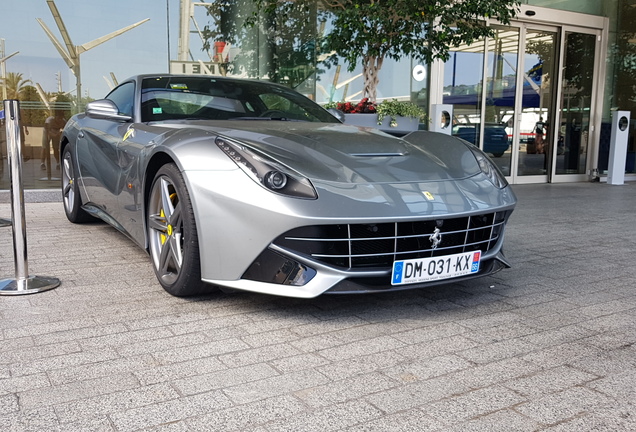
{"x": 545, "y": 346}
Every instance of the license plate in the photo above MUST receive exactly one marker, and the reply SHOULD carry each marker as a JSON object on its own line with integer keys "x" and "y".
{"x": 431, "y": 269}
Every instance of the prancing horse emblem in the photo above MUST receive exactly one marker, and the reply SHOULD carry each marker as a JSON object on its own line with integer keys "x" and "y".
{"x": 435, "y": 238}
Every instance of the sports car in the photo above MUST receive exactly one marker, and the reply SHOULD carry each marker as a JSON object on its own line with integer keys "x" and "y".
{"x": 248, "y": 185}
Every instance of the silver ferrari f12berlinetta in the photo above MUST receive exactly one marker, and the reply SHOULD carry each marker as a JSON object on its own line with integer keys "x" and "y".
{"x": 248, "y": 185}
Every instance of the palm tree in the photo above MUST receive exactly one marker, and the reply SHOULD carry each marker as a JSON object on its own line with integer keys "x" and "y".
{"x": 15, "y": 85}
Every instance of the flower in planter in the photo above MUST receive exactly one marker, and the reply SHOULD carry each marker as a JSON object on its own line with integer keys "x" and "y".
{"x": 391, "y": 108}
{"x": 362, "y": 107}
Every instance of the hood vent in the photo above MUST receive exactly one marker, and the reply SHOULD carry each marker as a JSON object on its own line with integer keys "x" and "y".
{"x": 379, "y": 154}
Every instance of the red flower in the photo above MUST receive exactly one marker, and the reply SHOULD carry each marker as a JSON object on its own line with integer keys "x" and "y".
{"x": 362, "y": 107}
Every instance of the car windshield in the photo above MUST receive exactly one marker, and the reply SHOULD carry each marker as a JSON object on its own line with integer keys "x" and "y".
{"x": 211, "y": 98}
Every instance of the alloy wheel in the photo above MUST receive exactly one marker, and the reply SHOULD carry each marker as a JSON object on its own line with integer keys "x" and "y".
{"x": 68, "y": 182}
{"x": 166, "y": 230}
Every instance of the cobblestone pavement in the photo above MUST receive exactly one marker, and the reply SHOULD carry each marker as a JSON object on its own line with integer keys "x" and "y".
{"x": 546, "y": 345}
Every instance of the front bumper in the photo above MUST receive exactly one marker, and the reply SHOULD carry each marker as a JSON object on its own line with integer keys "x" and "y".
{"x": 239, "y": 222}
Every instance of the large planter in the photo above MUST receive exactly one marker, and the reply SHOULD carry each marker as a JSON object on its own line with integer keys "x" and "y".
{"x": 404, "y": 124}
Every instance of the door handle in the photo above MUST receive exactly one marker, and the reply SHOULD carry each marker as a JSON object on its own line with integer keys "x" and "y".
{"x": 80, "y": 135}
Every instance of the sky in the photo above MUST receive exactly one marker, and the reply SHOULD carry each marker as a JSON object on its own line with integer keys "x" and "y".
{"x": 143, "y": 49}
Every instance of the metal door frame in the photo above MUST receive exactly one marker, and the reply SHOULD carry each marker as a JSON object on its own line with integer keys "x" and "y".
{"x": 595, "y": 104}
{"x": 559, "y": 21}
{"x": 563, "y": 21}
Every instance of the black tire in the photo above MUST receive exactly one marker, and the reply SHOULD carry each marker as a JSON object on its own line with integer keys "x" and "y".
{"x": 172, "y": 235}
{"x": 71, "y": 190}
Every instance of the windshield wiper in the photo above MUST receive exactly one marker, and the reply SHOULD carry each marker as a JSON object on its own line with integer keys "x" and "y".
{"x": 260, "y": 118}
{"x": 285, "y": 119}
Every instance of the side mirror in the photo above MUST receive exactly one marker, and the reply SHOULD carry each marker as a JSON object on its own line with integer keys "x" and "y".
{"x": 105, "y": 109}
{"x": 337, "y": 114}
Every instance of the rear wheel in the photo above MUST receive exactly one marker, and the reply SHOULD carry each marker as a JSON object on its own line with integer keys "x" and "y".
{"x": 172, "y": 235}
{"x": 70, "y": 190}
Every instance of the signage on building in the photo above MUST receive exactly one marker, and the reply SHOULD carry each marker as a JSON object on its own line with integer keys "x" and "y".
{"x": 195, "y": 67}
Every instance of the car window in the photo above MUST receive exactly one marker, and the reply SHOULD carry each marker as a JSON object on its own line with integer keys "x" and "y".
{"x": 169, "y": 104}
{"x": 285, "y": 106}
{"x": 123, "y": 96}
{"x": 185, "y": 97}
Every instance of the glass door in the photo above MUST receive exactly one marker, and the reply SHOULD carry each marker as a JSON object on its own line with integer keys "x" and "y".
{"x": 535, "y": 104}
{"x": 576, "y": 99}
{"x": 499, "y": 102}
{"x": 463, "y": 75}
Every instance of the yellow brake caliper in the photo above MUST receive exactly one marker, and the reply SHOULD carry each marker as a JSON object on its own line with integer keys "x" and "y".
{"x": 163, "y": 236}
{"x": 169, "y": 229}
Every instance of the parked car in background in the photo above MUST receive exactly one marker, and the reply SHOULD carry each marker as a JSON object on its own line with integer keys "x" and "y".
{"x": 496, "y": 141}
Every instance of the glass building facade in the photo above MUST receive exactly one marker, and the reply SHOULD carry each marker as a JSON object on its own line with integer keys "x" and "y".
{"x": 538, "y": 96}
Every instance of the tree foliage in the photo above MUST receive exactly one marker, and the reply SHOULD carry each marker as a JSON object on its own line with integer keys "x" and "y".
{"x": 274, "y": 44}
{"x": 367, "y": 32}
{"x": 624, "y": 53}
{"x": 32, "y": 115}
{"x": 15, "y": 84}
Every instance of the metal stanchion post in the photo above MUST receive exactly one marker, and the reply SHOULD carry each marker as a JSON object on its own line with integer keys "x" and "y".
{"x": 23, "y": 283}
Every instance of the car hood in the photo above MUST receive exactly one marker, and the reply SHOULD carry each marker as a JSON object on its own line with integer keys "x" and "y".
{"x": 333, "y": 152}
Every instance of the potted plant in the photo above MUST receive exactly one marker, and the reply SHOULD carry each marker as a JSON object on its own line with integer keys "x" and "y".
{"x": 389, "y": 115}
{"x": 406, "y": 112}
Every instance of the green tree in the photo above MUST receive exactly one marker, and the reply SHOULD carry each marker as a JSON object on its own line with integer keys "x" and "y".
{"x": 370, "y": 31}
{"x": 624, "y": 53}
{"x": 15, "y": 84}
{"x": 64, "y": 103}
{"x": 274, "y": 44}
{"x": 33, "y": 112}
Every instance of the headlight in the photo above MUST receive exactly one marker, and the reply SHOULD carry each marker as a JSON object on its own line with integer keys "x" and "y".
{"x": 269, "y": 174}
{"x": 489, "y": 168}
{"x": 275, "y": 180}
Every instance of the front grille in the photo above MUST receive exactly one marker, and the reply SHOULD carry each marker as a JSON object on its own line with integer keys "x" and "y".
{"x": 378, "y": 245}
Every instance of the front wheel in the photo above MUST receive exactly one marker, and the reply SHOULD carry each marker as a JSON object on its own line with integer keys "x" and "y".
{"x": 172, "y": 235}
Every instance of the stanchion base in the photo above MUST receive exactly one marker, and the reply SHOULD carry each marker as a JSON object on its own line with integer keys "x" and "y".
{"x": 5, "y": 222}
{"x": 30, "y": 285}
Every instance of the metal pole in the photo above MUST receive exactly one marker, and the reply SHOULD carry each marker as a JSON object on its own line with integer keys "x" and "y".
{"x": 22, "y": 284}
{"x": 184, "y": 29}
{"x": 168, "y": 30}
{"x": 14, "y": 152}
{"x": 3, "y": 70}
{"x": 78, "y": 81}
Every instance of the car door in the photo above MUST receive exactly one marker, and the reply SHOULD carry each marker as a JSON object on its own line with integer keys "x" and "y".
{"x": 98, "y": 156}
{"x": 133, "y": 151}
